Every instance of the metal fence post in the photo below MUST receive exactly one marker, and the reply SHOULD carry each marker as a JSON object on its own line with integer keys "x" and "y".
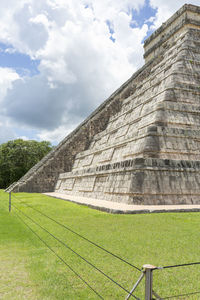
{"x": 148, "y": 281}
{"x": 9, "y": 201}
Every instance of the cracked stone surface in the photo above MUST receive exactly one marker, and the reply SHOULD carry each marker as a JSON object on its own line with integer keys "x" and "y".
{"x": 142, "y": 145}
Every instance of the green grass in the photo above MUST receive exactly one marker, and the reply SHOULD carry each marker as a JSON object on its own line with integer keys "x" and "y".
{"x": 29, "y": 270}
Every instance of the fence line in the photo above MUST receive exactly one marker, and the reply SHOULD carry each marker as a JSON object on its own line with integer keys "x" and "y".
{"x": 60, "y": 258}
{"x": 76, "y": 253}
{"x": 181, "y": 265}
{"x": 147, "y": 270}
{"x": 183, "y": 295}
{"x": 81, "y": 236}
{"x": 174, "y": 296}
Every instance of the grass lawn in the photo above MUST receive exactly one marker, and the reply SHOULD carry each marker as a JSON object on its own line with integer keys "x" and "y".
{"x": 29, "y": 270}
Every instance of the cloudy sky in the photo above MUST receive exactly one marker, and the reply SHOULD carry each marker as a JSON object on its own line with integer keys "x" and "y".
{"x": 59, "y": 59}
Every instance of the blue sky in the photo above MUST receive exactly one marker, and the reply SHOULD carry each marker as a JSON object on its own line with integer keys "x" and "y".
{"x": 60, "y": 59}
{"x": 20, "y": 62}
{"x": 143, "y": 15}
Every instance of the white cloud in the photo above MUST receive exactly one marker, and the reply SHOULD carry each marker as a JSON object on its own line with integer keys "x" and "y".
{"x": 79, "y": 64}
{"x": 7, "y": 77}
{"x": 57, "y": 134}
{"x": 10, "y": 50}
{"x": 8, "y": 8}
{"x": 6, "y": 130}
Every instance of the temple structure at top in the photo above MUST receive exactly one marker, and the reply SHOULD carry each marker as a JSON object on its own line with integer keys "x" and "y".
{"x": 142, "y": 145}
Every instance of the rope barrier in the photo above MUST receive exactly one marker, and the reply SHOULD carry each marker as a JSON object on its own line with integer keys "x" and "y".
{"x": 181, "y": 265}
{"x": 100, "y": 247}
{"x": 64, "y": 244}
{"x": 80, "y": 277}
{"x": 81, "y": 236}
{"x": 183, "y": 295}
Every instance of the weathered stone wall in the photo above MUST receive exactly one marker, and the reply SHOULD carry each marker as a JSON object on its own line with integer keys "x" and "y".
{"x": 142, "y": 145}
{"x": 149, "y": 181}
{"x": 164, "y": 36}
{"x": 43, "y": 176}
{"x": 160, "y": 121}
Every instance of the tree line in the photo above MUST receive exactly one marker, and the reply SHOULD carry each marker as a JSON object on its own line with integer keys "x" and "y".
{"x": 18, "y": 156}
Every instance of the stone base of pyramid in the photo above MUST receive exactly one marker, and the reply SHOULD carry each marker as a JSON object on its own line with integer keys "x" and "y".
{"x": 145, "y": 181}
{"x": 142, "y": 145}
{"x": 122, "y": 208}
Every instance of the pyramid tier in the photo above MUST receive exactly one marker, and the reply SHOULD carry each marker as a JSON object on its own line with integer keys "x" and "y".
{"x": 142, "y": 145}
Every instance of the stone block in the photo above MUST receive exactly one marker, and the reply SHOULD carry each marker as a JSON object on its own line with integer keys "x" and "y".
{"x": 142, "y": 145}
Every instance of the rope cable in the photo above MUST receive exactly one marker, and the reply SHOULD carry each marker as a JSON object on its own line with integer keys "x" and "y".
{"x": 81, "y": 236}
{"x": 58, "y": 256}
{"x": 68, "y": 247}
{"x": 181, "y": 265}
{"x": 183, "y": 295}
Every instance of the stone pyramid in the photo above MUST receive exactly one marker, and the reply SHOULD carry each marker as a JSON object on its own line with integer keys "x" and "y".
{"x": 142, "y": 145}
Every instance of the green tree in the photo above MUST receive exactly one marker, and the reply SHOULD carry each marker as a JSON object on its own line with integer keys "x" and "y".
{"x": 18, "y": 156}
